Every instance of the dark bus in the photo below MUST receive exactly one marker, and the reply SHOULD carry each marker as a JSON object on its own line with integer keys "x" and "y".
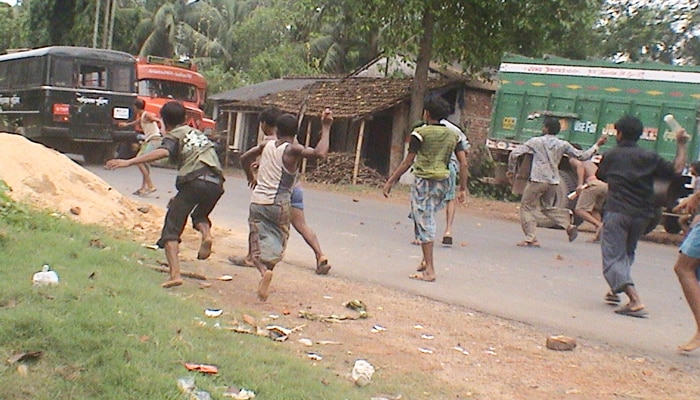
{"x": 68, "y": 98}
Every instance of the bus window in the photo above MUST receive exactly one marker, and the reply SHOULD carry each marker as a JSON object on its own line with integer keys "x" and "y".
{"x": 33, "y": 72}
{"x": 61, "y": 72}
{"x": 92, "y": 76}
{"x": 122, "y": 78}
{"x": 4, "y": 81}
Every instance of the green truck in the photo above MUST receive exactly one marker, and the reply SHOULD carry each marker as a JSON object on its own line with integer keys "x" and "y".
{"x": 588, "y": 97}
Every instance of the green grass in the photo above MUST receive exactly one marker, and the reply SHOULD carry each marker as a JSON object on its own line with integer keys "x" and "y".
{"x": 107, "y": 331}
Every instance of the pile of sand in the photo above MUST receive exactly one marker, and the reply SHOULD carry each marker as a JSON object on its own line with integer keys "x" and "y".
{"x": 50, "y": 180}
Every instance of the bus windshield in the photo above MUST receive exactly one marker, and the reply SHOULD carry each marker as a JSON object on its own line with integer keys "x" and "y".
{"x": 168, "y": 89}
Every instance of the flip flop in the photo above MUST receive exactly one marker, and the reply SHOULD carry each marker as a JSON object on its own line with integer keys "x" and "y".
{"x": 323, "y": 267}
{"x": 138, "y": 192}
{"x": 637, "y": 313}
{"x": 525, "y": 243}
{"x": 420, "y": 277}
{"x": 612, "y": 298}
{"x": 572, "y": 232}
{"x": 421, "y": 266}
{"x": 240, "y": 261}
{"x": 146, "y": 191}
{"x": 447, "y": 240}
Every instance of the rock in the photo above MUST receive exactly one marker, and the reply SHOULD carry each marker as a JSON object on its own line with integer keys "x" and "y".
{"x": 561, "y": 343}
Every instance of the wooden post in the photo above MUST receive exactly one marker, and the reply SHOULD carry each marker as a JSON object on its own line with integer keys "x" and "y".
{"x": 228, "y": 139}
{"x": 358, "y": 153}
{"x": 307, "y": 141}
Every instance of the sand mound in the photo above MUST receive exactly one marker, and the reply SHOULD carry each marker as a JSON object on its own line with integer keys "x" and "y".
{"x": 50, "y": 180}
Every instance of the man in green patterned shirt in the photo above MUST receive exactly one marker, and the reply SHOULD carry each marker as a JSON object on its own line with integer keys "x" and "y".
{"x": 429, "y": 152}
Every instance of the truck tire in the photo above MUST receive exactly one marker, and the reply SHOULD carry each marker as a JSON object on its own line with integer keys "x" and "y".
{"x": 566, "y": 185}
{"x": 670, "y": 222}
{"x": 98, "y": 154}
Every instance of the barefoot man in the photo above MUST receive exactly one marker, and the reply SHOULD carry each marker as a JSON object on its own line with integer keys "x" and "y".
{"x": 686, "y": 268}
{"x": 199, "y": 183}
{"x": 271, "y": 201}
{"x": 429, "y": 152}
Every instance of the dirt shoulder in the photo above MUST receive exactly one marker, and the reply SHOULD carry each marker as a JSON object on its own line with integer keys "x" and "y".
{"x": 441, "y": 351}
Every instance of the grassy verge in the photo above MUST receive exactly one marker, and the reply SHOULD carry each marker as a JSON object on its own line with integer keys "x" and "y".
{"x": 107, "y": 331}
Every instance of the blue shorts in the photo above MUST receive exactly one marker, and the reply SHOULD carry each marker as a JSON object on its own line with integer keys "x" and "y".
{"x": 452, "y": 188}
{"x": 691, "y": 244}
{"x": 297, "y": 197}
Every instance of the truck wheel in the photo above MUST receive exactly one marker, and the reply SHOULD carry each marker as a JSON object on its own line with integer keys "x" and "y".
{"x": 670, "y": 222}
{"x": 566, "y": 186}
{"x": 98, "y": 154}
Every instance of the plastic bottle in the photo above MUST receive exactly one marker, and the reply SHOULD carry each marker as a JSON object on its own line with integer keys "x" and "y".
{"x": 672, "y": 123}
{"x": 46, "y": 277}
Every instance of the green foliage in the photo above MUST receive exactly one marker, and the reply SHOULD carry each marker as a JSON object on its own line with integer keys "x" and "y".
{"x": 12, "y": 213}
{"x": 666, "y": 32}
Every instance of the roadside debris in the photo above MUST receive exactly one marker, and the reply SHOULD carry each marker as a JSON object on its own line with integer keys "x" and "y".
{"x": 561, "y": 343}
{"x": 239, "y": 394}
{"x": 45, "y": 277}
{"x": 24, "y": 356}
{"x": 203, "y": 368}
{"x": 213, "y": 312}
{"x": 362, "y": 372}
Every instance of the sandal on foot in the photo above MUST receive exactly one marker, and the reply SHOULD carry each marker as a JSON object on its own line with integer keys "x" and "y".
{"x": 138, "y": 192}
{"x": 638, "y": 312}
{"x": 447, "y": 240}
{"x": 526, "y": 243}
{"x": 240, "y": 261}
{"x": 421, "y": 277}
{"x": 323, "y": 267}
{"x": 148, "y": 191}
{"x": 422, "y": 266}
{"x": 612, "y": 298}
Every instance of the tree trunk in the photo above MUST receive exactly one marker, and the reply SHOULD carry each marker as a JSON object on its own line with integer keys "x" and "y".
{"x": 425, "y": 53}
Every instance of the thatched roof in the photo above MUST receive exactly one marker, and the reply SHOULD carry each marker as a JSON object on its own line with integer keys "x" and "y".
{"x": 348, "y": 98}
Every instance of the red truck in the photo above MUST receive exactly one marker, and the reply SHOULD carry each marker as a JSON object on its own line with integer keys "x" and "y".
{"x": 163, "y": 79}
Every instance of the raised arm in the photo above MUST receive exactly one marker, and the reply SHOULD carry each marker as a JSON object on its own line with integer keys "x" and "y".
{"x": 321, "y": 148}
{"x": 681, "y": 159}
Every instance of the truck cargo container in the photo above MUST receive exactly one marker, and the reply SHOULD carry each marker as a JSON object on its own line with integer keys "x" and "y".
{"x": 588, "y": 97}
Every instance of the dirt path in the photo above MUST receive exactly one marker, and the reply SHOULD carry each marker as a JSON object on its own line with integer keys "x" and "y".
{"x": 464, "y": 353}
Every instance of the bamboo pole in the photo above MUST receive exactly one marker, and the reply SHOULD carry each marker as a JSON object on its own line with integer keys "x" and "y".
{"x": 307, "y": 141}
{"x": 358, "y": 153}
{"x": 228, "y": 139}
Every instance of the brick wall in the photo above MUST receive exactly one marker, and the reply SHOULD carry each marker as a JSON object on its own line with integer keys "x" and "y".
{"x": 476, "y": 115}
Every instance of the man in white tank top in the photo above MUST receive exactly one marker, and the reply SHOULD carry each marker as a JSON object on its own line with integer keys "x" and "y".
{"x": 150, "y": 126}
{"x": 270, "y": 204}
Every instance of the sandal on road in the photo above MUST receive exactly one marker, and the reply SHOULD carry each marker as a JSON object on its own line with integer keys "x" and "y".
{"x": 526, "y": 243}
{"x": 447, "y": 240}
{"x": 612, "y": 298}
{"x": 637, "y": 312}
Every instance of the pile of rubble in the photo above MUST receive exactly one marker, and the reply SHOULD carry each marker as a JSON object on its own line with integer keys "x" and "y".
{"x": 338, "y": 168}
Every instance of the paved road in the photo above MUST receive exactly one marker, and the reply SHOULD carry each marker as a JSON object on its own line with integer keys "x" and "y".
{"x": 557, "y": 288}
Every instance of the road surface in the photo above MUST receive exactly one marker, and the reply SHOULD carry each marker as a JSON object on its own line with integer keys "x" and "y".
{"x": 558, "y": 288}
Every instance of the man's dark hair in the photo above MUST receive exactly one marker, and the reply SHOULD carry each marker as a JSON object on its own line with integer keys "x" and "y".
{"x": 695, "y": 166}
{"x": 286, "y": 125}
{"x": 436, "y": 106}
{"x": 552, "y": 124}
{"x": 140, "y": 104}
{"x": 630, "y": 127}
{"x": 269, "y": 115}
{"x": 173, "y": 114}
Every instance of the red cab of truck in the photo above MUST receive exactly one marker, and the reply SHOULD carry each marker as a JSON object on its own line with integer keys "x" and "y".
{"x": 161, "y": 80}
